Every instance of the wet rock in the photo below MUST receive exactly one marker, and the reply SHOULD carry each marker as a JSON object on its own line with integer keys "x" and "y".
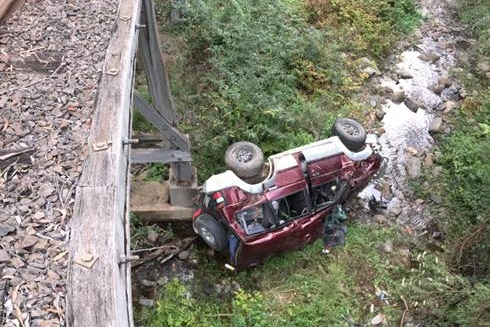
{"x": 435, "y": 125}
{"x": 412, "y": 104}
{"x": 450, "y": 106}
{"x": 184, "y": 255}
{"x": 380, "y": 219}
{"x": 385, "y": 91}
{"x": 388, "y": 246}
{"x": 403, "y": 74}
{"x": 411, "y": 151}
{"x": 4, "y": 256}
{"x": 398, "y": 97}
{"x": 373, "y": 102}
{"x": 450, "y": 94}
{"x": 413, "y": 167}
{"x": 380, "y": 114}
{"x": 445, "y": 81}
{"x": 436, "y": 88}
{"x": 432, "y": 56}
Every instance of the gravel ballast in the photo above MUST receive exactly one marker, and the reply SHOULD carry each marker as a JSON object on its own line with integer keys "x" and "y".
{"x": 51, "y": 57}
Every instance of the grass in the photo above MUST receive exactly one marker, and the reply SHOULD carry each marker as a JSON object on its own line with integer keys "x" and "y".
{"x": 307, "y": 288}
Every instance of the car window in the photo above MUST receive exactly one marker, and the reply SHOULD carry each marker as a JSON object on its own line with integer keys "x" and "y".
{"x": 256, "y": 219}
{"x": 324, "y": 195}
{"x": 290, "y": 207}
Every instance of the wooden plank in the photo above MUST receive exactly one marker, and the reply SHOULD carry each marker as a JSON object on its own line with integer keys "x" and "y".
{"x": 159, "y": 155}
{"x": 154, "y": 65}
{"x": 149, "y": 200}
{"x": 97, "y": 294}
{"x": 168, "y": 131}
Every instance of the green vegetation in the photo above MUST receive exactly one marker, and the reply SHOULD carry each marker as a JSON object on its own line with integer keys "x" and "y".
{"x": 307, "y": 288}
{"x": 465, "y": 161}
{"x": 260, "y": 70}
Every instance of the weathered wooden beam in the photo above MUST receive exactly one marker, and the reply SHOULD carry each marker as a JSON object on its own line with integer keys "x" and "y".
{"x": 150, "y": 201}
{"x": 157, "y": 77}
{"x": 156, "y": 73}
{"x": 169, "y": 132}
{"x": 98, "y": 286}
{"x": 159, "y": 155}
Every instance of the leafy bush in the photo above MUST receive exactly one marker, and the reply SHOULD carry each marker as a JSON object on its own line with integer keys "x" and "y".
{"x": 259, "y": 71}
{"x": 371, "y": 26}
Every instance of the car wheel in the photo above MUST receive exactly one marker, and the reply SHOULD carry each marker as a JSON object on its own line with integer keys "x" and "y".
{"x": 211, "y": 231}
{"x": 350, "y": 132}
{"x": 245, "y": 159}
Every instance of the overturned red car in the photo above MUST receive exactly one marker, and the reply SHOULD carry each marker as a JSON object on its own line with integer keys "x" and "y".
{"x": 253, "y": 217}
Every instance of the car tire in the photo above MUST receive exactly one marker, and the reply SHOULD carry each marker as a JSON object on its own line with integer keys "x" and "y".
{"x": 245, "y": 159}
{"x": 350, "y": 132}
{"x": 211, "y": 231}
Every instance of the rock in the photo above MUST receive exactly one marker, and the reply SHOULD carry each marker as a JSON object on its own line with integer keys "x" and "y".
{"x": 412, "y": 104}
{"x": 445, "y": 81}
{"x": 235, "y": 286}
{"x": 380, "y": 114}
{"x": 436, "y": 198}
{"x": 398, "y": 97}
{"x": 380, "y": 219}
{"x": 413, "y": 167}
{"x": 385, "y": 91}
{"x": 364, "y": 62}
{"x": 152, "y": 236}
{"x": 17, "y": 263}
{"x": 46, "y": 190}
{"x": 433, "y": 56}
{"x": 435, "y": 125}
{"x": 28, "y": 241}
{"x": 373, "y": 102}
{"x": 419, "y": 202}
{"x": 395, "y": 207}
{"x": 385, "y": 190}
{"x": 388, "y": 246}
{"x": 450, "y": 106}
{"x": 403, "y": 74}
{"x": 218, "y": 288}
{"x": 378, "y": 320}
{"x": 429, "y": 160}
{"x": 436, "y": 88}
{"x": 146, "y": 302}
{"x": 69, "y": 90}
{"x": 4, "y": 230}
{"x": 410, "y": 150}
{"x": 370, "y": 71}
{"x": 184, "y": 255}
{"x": 4, "y": 256}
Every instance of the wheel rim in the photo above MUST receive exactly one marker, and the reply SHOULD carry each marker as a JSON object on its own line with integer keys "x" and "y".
{"x": 351, "y": 130}
{"x": 243, "y": 155}
{"x": 208, "y": 237}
